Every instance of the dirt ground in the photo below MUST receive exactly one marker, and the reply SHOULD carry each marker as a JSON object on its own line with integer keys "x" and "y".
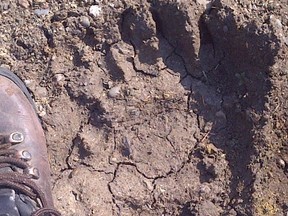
{"x": 154, "y": 107}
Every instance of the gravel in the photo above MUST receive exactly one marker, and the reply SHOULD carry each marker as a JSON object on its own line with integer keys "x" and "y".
{"x": 114, "y": 92}
{"x": 41, "y": 12}
{"x": 85, "y": 21}
{"x": 24, "y": 3}
{"x": 95, "y": 10}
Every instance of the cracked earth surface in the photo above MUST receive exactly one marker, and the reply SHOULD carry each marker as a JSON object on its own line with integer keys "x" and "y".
{"x": 157, "y": 107}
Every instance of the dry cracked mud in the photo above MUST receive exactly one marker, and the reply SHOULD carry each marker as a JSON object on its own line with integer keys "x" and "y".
{"x": 154, "y": 107}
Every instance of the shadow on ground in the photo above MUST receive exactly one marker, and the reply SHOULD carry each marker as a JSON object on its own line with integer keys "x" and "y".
{"x": 229, "y": 82}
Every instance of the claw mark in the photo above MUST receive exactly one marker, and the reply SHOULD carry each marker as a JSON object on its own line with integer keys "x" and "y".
{"x": 126, "y": 147}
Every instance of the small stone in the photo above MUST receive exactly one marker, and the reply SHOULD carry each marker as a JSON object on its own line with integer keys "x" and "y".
{"x": 24, "y": 3}
{"x": 113, "y": 159}
{"x": 225, "y": 28}
{"x": 5, "y": 66}
{"x": 95, "y": 10}
{"x": 112, "y": 5}
{"x": 5, "y": 5}
{"x": 31, "y": 84}
{"x": 41, "y": 92}
{"x": 206, "y": 3}
{"x": 110, "y": 84}
{"x": 211, "y": 149}
{"x": 114, "y": 92}
{"x": 41, "y": 12}
{"x": 40, "y": 109}
{"x": 278, "y": 23}
{"x": 281, "y": 163}
{"x": 134, "y": 112}
{"x": 74, "y": 5}
{"x": 59, "y": 77}
{"x": 275, "y": 22}
{"x": 85, "y": 21}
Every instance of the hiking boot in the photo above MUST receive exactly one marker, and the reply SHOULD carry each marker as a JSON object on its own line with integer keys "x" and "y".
{"x": 24, "y": 168}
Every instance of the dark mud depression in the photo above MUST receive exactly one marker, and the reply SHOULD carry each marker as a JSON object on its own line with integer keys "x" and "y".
{"x": 157, "y": 107}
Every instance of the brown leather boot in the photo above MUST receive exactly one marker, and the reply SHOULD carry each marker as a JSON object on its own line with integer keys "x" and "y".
{"x": 24, "y": 168}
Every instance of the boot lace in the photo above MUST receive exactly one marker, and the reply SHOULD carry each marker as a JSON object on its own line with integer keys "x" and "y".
{"x": 22, "y": 182}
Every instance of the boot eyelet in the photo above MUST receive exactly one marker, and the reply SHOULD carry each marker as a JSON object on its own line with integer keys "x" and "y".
{"x": 34, "y": 172}
{"x": 25, "y": 155}
{"x": 16, "y": 137}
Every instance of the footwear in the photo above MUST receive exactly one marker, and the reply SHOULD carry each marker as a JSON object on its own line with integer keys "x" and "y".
{"x": 24, "y": 167}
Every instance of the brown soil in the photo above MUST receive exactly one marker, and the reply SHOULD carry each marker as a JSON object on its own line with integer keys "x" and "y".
{"x": 158, "y": 107}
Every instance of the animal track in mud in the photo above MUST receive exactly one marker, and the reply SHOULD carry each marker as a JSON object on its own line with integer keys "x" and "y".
{"x": 190, "y": 104}
{"x": 226, "y": 72}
